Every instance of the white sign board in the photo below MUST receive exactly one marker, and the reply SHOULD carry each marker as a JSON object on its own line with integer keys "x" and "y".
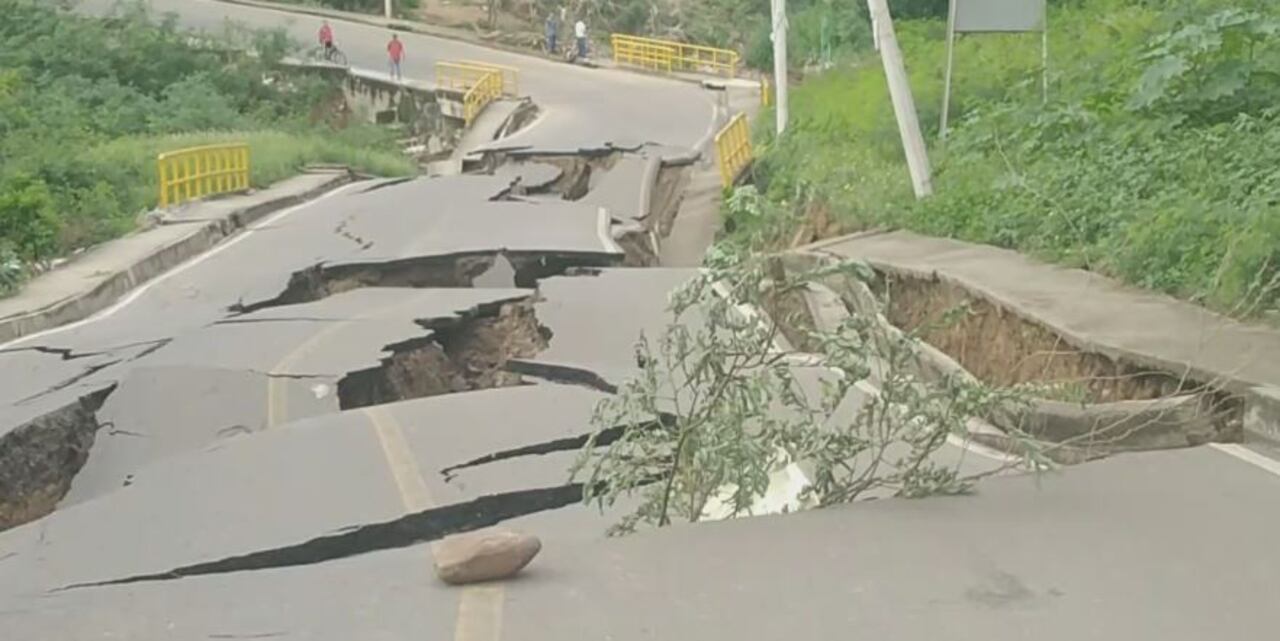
{"x": 995, "y": 16}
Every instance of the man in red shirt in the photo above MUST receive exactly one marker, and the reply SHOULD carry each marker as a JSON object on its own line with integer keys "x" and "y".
{"x": 395, "y": 50}
{"x": 326, "y": 39}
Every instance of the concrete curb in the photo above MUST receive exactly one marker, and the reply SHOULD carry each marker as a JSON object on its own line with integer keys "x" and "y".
{"x": 107, "y": 291}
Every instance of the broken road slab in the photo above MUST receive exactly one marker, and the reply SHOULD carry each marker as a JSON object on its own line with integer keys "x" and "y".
{"x": 315, "y": 478}
{"x": 596, "y": 319}
{"x": 388, "y": 595}
{"x": 265, "y": 369}
{"x": 318, "y": 528}
{"x": 1124, "y": 548}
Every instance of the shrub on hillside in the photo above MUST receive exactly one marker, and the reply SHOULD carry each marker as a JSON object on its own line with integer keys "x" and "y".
{"x": 1156, "y": 160}
{"x": 85, "y": 106}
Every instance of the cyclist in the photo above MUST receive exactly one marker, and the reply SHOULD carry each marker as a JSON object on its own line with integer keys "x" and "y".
{"x": 326, "y": 40}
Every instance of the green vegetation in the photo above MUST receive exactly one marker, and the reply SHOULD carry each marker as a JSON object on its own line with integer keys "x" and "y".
{"x": 377, "y": 7}
{"x": 1156, "y": 159}
{"x": 719, "y": 409}
{"x": 85, "y": 105}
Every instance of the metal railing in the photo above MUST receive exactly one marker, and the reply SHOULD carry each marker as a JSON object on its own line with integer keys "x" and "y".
{"x": 479, "y": 84}
{"x": 187, "y": 174}
{"x": 485, "y": 91}
{"x": 733, "y": 149}
{"x": 510, "y": 75}
{"x": 668, "y": 55}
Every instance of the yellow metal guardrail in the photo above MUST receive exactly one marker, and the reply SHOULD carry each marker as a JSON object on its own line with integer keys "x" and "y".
{"x": 733, "y": 149}
{"x": 485, "y": 91}
{"x": 510, "y": 75}
{"x": 479, "y": 83}
{"x": 187, "y": 174}
{"x": 668, "y": 55}
{"x": 766, "y": 98}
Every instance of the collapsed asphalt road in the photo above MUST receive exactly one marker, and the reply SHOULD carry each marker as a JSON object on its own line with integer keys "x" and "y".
{"x": 271, "y": 435}
{"x": 149, "y": 425}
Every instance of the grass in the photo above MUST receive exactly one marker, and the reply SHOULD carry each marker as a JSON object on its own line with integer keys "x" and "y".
{"x": 1156, "y": 159}
{"x": 274, "y": 156}
{"x": 87, "y": 104}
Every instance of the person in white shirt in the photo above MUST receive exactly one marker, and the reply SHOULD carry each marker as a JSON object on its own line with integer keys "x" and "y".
{"x": 580, "y": 32}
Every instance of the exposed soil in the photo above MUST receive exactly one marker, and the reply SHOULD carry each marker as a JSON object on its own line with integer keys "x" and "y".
{"x": 1088, "y": 389}
{"x": 1002, "y": 348}
{"x": 38, "y": 460}
{"x": 460, "y": 355}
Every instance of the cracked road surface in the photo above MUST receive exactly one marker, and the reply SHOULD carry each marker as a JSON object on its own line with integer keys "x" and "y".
{"x": 272, "y": 434}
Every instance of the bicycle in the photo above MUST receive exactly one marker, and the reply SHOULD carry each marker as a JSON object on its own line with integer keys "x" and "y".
{"x": 331, "y": 55}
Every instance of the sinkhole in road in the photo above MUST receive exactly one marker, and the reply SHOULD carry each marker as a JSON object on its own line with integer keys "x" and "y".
{"x": 489, "y": 268}
{"x": 460, "y": 354}
{"x": 40, "y": 458}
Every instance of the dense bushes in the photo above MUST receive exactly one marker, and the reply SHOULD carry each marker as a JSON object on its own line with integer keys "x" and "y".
{"x": 1156, "y": 159}
{"x": 85, "y": 105}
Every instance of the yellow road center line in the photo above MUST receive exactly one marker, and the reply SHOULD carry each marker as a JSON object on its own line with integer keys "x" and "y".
{"x": 414, "y": 493}
{"x": 479, "y": 615}
{"x": 277, "y": 390}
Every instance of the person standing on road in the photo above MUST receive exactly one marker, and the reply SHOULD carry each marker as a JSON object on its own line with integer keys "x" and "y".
{"x": 580, "y": 32}
{"x": 395, "y": 51}
{"x": 326, "y": 39}
{"x": 553, "y": 29}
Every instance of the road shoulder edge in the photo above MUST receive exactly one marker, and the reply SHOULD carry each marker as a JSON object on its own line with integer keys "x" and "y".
{"x": 98, "y": 294}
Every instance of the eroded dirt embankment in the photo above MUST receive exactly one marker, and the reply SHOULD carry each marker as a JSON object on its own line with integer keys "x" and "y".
{"x": 40, "y": 458}
{"x": 1084, "y": 402}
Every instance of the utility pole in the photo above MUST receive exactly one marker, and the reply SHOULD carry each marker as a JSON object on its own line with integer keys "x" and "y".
{"x": 779, "y": 37}
{"x": 387, "y": 7}
{"x": 904, "y": 106}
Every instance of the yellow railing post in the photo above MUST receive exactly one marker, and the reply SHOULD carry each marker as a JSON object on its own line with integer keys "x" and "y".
{"x": 163, "y": 201}
{"x": 479, "y": 84}
{"x": 733, "y": 149}
{"x": 186, "y": 174}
